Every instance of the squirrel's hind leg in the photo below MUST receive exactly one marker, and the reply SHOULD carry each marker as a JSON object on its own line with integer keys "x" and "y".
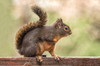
{"x": 29, "y": 51}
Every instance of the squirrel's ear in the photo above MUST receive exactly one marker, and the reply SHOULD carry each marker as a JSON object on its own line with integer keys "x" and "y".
{"x": 58, "y": 23}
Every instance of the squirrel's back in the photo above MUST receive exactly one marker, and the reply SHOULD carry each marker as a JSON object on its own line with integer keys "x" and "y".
{"x": 28, "y": 27}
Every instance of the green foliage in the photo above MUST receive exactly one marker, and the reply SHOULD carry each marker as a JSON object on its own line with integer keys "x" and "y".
{"x": 7, "y": 29}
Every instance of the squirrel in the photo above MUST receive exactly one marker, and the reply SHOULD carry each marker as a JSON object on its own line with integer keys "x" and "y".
{"x": 34, "y": 38}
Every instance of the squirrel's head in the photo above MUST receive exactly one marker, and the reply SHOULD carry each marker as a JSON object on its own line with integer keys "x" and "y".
{"x": 62, "y": 29}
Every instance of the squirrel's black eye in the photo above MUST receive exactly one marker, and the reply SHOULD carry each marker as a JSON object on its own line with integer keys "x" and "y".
{"x": 66, "y": 28}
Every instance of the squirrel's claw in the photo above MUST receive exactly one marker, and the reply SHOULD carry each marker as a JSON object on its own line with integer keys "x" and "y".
{"x": 39, "y": 59}
{"x": 57, "y": 58}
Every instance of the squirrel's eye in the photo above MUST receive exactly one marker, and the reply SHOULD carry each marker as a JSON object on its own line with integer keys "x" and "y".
{"x": 66, "y": 28}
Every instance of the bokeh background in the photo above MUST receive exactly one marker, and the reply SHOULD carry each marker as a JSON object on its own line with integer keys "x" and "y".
{"x": 83, "y": 16}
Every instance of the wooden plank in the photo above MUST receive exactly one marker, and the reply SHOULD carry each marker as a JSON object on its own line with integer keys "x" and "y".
{"x": 65, "y": 61}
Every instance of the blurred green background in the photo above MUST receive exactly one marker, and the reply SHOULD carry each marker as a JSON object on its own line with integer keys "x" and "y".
{"x": 82, "y": 16}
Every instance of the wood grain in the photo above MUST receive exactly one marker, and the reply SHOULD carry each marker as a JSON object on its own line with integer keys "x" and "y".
{"x": 48, "y": 61}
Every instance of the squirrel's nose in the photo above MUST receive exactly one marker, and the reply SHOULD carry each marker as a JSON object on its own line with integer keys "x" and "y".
{"x": 70, "y": 32}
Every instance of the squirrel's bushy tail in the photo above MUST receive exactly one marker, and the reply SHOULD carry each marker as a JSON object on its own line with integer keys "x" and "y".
{"x": 42, "y": 15}
{"x": 28, "y": 27}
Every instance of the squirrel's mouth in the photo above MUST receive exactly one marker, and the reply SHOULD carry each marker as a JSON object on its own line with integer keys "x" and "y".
{"x": 70, "y": 32}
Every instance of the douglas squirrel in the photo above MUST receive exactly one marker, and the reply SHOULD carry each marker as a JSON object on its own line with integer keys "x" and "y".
{"x": 35, "y": 38}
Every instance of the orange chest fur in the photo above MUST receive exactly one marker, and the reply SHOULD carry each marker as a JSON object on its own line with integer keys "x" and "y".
{"x": 45, "y": 46}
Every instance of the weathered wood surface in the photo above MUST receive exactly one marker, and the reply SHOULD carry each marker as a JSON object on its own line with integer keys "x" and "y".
{"x": 48, "y": 61}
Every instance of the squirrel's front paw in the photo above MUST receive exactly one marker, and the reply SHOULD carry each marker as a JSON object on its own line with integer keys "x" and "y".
{"x": 39, "y": 59}
{"x": 57, "y": 58}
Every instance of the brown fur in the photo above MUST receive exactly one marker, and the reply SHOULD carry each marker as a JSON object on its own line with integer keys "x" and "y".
{"x": 28, "y": 27}
{"x": 35, "y": 38}
{"x": 42, "y": 15}
{"x": 22, "y": 31}
{"x": 44, "y": 46}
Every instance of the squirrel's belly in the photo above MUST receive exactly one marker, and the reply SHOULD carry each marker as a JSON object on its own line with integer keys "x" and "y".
{"x": 47, "y": 46}
{"x": 43, "y": 46}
